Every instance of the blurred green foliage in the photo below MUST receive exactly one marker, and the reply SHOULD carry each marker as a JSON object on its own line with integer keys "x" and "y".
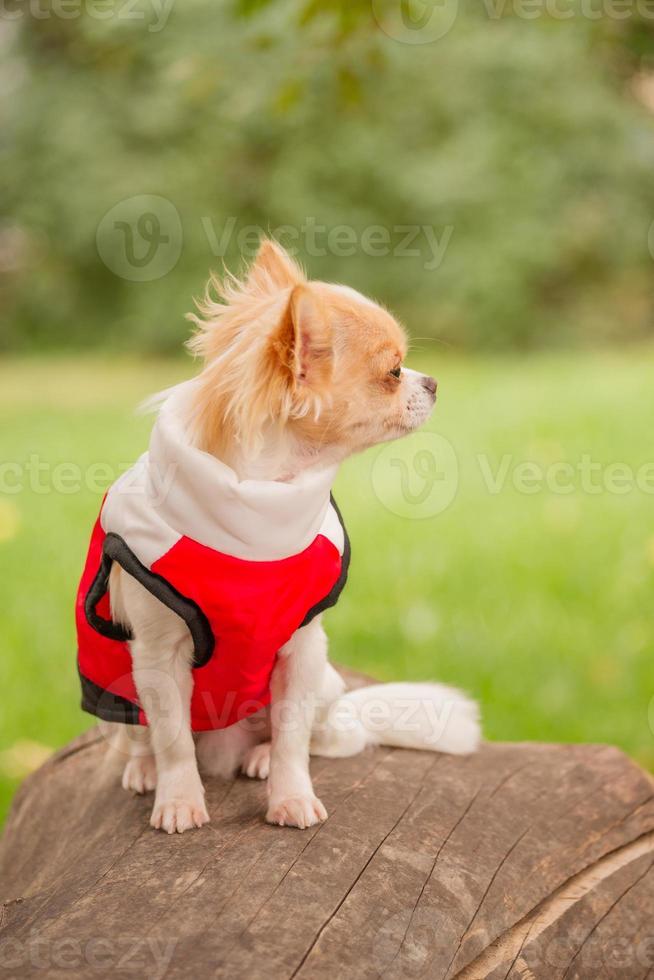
{"x": 526, "y": 142}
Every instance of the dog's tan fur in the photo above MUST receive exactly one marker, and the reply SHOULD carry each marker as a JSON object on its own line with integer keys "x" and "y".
{"x": 304, "y": 361}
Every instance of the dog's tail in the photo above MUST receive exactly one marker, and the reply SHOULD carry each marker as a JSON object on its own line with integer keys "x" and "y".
{"x": 410, "y": 716}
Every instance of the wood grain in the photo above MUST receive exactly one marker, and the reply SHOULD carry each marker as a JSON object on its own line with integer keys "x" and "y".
{"x": 523, "y": 861}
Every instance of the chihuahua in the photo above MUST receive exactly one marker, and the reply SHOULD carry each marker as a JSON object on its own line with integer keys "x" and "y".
{"x": 200, "y": 609}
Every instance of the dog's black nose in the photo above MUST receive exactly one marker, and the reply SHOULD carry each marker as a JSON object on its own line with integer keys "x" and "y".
{"x": 430, "y": 384}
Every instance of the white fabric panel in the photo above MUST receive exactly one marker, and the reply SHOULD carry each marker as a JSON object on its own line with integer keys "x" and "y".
{"x": 198, "y": 495}
{"x": 176, "y": 489}
{"x": 128, "y": 512}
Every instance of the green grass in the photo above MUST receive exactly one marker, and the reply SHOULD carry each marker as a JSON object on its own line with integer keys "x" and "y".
{"x": 539, "y": 604}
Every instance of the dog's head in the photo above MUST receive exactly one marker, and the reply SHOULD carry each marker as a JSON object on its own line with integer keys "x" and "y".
{"x": 313, "y": 363}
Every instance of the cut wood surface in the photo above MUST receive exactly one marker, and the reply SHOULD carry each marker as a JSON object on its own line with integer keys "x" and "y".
{"x": 523, "y": 861}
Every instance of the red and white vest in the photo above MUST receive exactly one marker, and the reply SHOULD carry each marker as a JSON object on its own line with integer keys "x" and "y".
{"x": 244, "y": 563}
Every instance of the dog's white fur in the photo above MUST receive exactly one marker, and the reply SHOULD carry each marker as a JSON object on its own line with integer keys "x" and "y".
{"x": 310, "y": 711}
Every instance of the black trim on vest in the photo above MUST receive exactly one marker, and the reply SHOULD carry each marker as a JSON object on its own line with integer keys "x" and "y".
{"x": 99, "y": 586}
{"x": 105, "y": 705}
{"x": 116, "y": 549}
{"x": 332, "y": 597}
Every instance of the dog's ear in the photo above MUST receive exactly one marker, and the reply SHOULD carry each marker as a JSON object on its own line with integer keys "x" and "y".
{"x": 303, "y": 342}
{"x": 273, "y": 269}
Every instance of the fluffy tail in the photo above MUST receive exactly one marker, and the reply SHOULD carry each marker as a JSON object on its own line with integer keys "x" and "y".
{"x": 410, "y": 716}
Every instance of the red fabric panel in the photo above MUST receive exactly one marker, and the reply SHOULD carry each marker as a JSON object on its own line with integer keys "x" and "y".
{"x": 253, "y": 609}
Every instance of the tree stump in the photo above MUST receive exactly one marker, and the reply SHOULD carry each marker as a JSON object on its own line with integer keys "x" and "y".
{"x": 523, "y": 861}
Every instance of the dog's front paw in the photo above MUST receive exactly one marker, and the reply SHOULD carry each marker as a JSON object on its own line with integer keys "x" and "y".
{"x": 256, "y": 764}
{"x": 140, "y": 774}
{"x": 176, "y": 816}
{"x": 297, "y": 811}
{"x": 179, "y": 803}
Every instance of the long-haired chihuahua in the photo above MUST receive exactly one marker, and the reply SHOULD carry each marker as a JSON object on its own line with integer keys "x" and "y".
{"x": 213, "y": 559}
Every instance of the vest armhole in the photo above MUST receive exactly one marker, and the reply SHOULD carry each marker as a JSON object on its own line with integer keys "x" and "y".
{"x": 332, "y": 596}
{"x": 116, "y": 549}
{"x": 98, "y": 589}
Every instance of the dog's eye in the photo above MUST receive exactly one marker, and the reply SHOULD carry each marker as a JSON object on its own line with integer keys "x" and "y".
{"x": 396, "y": 372}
